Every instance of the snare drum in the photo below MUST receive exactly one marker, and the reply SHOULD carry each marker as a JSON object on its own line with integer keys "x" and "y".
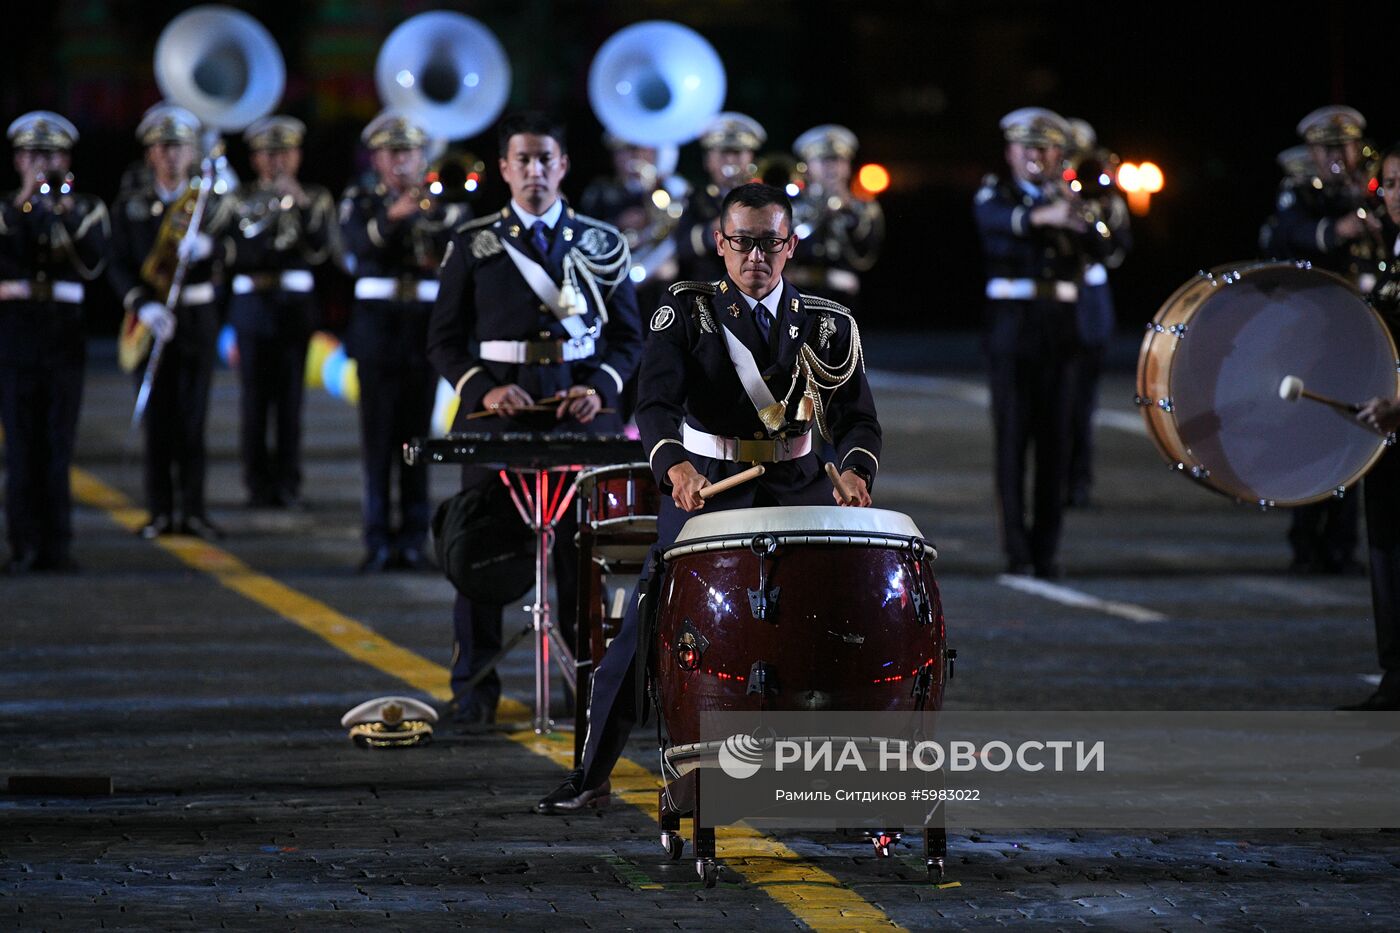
{"x": 1209, "y": 373}
{"x": 804, "y": 608}
{"x": 619, "y": 505}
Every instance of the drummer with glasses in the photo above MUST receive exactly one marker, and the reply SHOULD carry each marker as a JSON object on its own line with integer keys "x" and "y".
{"x": 740, "y": 371}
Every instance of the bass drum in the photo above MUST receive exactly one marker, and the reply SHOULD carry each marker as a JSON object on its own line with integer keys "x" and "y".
{"x": 1209, "y": 372}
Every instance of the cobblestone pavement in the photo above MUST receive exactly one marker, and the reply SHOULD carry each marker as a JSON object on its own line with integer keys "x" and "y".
{"x": 239, "y": 803}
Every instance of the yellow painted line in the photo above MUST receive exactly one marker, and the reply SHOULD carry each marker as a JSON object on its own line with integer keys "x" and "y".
{"x": 813, "y": 896}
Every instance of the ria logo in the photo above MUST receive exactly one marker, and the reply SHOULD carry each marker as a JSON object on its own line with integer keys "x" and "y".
{"x": 741, "y": 756}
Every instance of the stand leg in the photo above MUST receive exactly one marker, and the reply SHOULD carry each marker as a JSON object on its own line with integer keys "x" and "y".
{"x": 705, "y": 864}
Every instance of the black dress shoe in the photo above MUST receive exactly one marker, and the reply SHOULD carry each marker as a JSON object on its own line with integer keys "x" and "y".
{"x": 157, "y": 526}
{"x": 201, "y": 527}
{"x": 1050, "y": 571}
{"x": 1078, "y": 498}
{"x": 262, "y": 500}
{"x": 1018, "y": 568}
{"x": 570, "y": 797}
{"x": 413, "y": 558}
{"x": 1377, "y": 702}
{"x": 377, "y": 560}
{"x": 472, "y": 715}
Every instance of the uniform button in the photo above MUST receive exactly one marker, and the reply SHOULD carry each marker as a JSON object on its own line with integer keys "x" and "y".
{"x": 544, "y": 308}
{"x": 758, "y": 435}
{"x": 544, "y": 335}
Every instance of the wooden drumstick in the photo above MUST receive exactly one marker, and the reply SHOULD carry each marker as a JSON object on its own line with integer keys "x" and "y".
{"x": 488, "y": 412}
{"x": 837, "y": 483}
{"x": 1291, "y": 389}
{"x": 753, "y": 472}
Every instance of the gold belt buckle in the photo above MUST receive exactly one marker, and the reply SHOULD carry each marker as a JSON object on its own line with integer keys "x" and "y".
{"x": 407, "y": 289}
{"x": 756, "y": 451}
{"x": 543, "y": 351}
{"x": 41, "y": 290}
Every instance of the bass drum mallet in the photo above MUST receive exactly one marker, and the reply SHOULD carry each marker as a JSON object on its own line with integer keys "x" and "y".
{"x": 1291, "y": 389}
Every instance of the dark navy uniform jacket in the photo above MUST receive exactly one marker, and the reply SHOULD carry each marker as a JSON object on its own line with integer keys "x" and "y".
{"x": 1013, "y": 249}
{"x": 1304, "y": 226}
{"x": 687, "y": 375}
{"x": 266, "y": 240}
{"x": 483, "y": 297}
{"x": 137, "y": 216}
{"x": 695, "y": 245}
{"x": 392, "y": 330}
{"x": 39, "y": 247}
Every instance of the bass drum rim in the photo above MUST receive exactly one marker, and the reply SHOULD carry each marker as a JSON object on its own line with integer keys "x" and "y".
{"x": 1156, "y": 366}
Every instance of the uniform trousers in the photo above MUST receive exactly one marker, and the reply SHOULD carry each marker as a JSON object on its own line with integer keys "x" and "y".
{"x": 1031, "y": 371}
{"x": 272, "y": 370}
{"x": 176, "y": 414}
{"x": 1382, "y": 491}
{"x": 396, "y": 405}
{"x": 39, "y": 411}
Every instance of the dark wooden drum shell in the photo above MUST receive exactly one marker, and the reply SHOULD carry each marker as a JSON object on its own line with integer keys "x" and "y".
{"x": 854, "y": 621}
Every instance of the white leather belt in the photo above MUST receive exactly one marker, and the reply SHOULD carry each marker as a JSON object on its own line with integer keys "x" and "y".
{"x": 377, "y": 289}
{"x": 69, "y": 293}
{"x": 1031, "y": 289}
{"x": 200, "y": 293}
{"x": 739, "y": 448}
{"x": 292, "y": 280}
{"x": 537, "y": 351}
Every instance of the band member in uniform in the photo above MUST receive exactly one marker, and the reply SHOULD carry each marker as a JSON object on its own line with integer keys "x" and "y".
{"x": 395, "y": 236}
{"x": 730, "y": 142}
{"x": 839, "y": 235}
{"x": 738, "y": 371}
{"x": 1328, "y": 220}
{"x": 52, "y": 241}
{"x": 644, "y": 198}
{"x": 1382, "y": 483}
{"x": 1095, "y": 316}
{"x": 1035, "y": 243}
{"x": 148, "y": 236}
{"x": 536, "y": 307}
{"x": 281, "y": 231}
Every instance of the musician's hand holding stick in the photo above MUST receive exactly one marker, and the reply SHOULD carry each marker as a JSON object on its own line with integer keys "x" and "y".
{"x": 581, "y": 402}
{"x": 505, "y": 400}
{"x": 689, "y": 489}
{"x": 848, "y": 488}
{"x": 1381, "y": 415}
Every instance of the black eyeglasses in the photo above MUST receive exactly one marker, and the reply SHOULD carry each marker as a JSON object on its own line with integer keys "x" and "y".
{"x": 768, "y": 244}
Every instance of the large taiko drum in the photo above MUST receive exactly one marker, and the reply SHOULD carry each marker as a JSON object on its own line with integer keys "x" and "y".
{"x": 806, "y": 608}
{"x": 1209, "y": 374}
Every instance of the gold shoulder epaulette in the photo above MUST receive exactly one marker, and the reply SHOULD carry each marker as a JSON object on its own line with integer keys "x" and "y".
{"x": 707, "y": 288}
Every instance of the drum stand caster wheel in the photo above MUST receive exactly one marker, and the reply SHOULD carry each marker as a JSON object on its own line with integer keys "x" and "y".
{"x": 708, "y": 870}
{"x": 674, "y": 844}
{"x": 882, "y": 842}
{"x": 936, "y": 869}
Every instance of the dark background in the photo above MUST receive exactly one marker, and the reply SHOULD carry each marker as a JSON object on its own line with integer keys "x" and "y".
{"x": 1210, "y": 92}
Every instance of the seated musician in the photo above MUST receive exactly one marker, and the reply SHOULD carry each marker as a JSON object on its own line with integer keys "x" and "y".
{"x": 740, "y": 371}
{"x": 535, "y": 323}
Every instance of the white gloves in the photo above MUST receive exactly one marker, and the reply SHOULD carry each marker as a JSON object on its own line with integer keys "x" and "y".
{"x": 158, "y": 319}
{"x": 195, "y": 248}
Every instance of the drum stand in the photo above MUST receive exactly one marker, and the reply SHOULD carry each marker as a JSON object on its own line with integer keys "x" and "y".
{"x": 542, "y": 496}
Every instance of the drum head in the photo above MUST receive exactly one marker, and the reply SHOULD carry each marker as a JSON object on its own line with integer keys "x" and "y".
{"x": 1274, "y": 321}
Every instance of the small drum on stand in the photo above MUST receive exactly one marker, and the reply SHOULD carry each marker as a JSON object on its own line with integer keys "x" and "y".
{"x": 618, "y": 506}
{"x": 805, "y": 608}
{"x": 1209, "y": 376}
